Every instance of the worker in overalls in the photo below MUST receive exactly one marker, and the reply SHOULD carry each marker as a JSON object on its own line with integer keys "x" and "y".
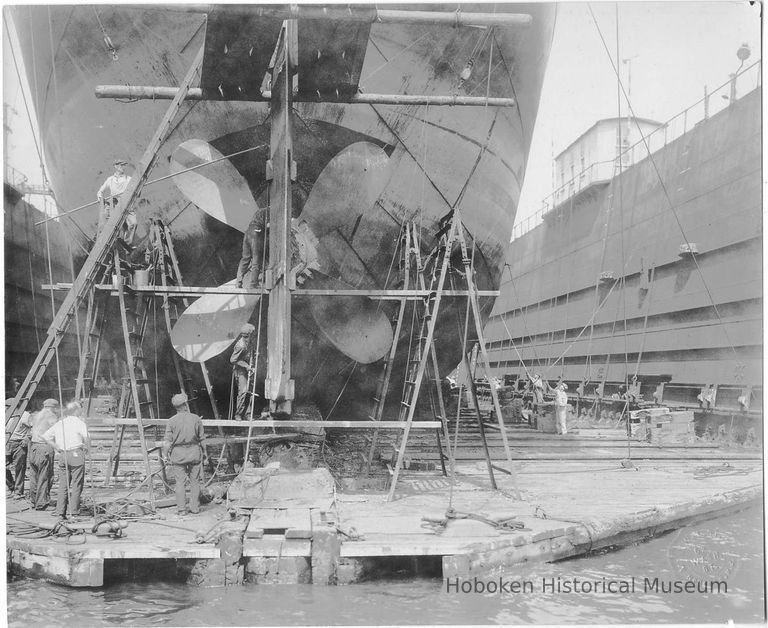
{"x": 183, "y": 449}
{"x": 241, "y": 365}
{"x": 561, "y": 408}
{"x": 109, "y": 195}
{"x": 41, "y": 455}
{"x": 69, "y": 436}
{"x": 255, "y": 251}
{"x": 16, "y": 454}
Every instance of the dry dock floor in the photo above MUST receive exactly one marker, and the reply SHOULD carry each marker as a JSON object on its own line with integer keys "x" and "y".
{"x": 566, "y": 508}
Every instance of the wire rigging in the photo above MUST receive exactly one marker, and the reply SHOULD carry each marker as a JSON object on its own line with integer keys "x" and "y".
{"x": 666, "y": 192}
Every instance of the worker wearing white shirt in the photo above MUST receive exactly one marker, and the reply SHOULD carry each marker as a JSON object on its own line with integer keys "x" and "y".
{"x": 561, "y": 408}
{"x": 109, "y": 195}
{"x": 69, "y": 436}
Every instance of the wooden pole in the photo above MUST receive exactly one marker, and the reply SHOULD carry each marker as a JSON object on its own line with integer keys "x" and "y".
{"x": 279, "y": 387}
{"x": 160, "y": 92}
{"x": 365, "y": 14}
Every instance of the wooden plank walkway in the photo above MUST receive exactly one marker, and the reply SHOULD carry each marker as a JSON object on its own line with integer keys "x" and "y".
{"x": 567, "y": 508}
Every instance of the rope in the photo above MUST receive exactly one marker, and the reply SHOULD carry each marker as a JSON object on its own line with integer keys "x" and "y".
{"x": 490, "y": 63}
{"x": 77, "y": 314}
{"x": 464, "y": 342}
{"x": 32, "y": 282}
{"x": 621, "y": 218}
{"x": 53, "y": 316}
{"x": 159, "y": 179}
{"x": 666, "y": 195}
{"x": 523, "y": 317}
{"x": 341, "y": 392}
{"x": 255, "y": 356}
{"x": 388, "y": 61}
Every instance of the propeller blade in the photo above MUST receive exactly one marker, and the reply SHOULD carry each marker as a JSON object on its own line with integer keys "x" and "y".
{"x": 217, "y": 189}
{"x": 211, "y": 324}
{"x": 354, "y": 325}
{"x": 348, "y": 187}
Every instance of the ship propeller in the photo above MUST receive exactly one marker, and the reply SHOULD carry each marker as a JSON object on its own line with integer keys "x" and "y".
{"x": 344, "y": 192}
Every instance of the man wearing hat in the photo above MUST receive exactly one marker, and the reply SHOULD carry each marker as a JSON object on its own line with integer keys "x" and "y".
{"x": 241, "y": 364}
{"x": 561, "y": 408}
{"x": 16, "y": 454}
{"x": 109, "y": 195}
{"x": 41, "y": 455}
{"x": 69, "y": 436}
{"x": 183, "y": 449}
{"x": 255, "y": 250}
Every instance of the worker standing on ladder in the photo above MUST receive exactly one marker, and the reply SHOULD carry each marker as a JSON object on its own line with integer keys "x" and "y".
{"x": 183, "y": 448}
{"x": 69, "y": 436}
{"x": 255, "y": 251}
{"x": 241, "y": 365}
{"x": 109, "y": 195}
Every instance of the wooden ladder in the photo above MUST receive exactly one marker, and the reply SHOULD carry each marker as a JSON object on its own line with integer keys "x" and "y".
{"x": 383, "y": 385}
{"x": 137, "y": 391}
{"x": 164, "y": 259}
{"x": 417, "y": 360}
{"x": 451, "y": 231}
{"x": 90, "y": 355}
{"x": 98, "y": 257}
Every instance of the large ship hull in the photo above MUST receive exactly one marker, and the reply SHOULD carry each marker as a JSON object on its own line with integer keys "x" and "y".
{"x": 660, "y": 313}
{"x": 439, "y": 157}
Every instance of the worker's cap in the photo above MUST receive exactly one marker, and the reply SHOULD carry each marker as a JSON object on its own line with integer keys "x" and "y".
{"x": 247, "y": 329}
{"x": 120, "y": 162}
{"x": 179, "y": 400}
{"x": 50, "y": 403}
{"x": 562, "y": 386}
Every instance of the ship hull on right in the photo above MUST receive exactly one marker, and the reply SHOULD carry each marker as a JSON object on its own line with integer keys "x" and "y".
{"x": 653, "y": 271}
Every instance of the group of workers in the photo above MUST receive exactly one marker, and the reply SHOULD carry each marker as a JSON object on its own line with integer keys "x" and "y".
{"x": 36, "y": 439}
{"x": 538, "y": 387}
{"x": 40, "y": 438}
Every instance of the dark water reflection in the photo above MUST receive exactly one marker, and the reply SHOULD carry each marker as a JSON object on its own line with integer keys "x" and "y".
{"x": 732, "y": 545}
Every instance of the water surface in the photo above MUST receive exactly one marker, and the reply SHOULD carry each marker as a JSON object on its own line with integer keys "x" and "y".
{"x": 728, "y": 549}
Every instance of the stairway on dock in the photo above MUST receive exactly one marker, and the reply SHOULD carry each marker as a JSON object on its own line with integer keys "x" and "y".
{"x": 527, "y": 443}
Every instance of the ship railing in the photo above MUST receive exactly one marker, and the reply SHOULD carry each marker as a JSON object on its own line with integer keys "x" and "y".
{"x": 13, "y": 177}
{"x": 737, "y": 86}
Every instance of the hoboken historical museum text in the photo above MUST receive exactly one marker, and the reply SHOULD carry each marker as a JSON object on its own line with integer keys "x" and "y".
{"x": 560, "y": 585}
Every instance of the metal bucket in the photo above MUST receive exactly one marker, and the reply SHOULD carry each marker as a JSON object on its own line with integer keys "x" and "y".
{"x": 141, "y": 278}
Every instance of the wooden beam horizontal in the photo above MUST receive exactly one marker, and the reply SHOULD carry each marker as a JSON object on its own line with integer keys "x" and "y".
{"x": 384, "y": 425}
{"x": 365, "y": 14}
{"x": 151, "y": 92}
{"x": 194, "y": 291}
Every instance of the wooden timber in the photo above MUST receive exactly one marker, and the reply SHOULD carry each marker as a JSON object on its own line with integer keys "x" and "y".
{"x": 562, "y": 519}
{"x": 194, "y": 291}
